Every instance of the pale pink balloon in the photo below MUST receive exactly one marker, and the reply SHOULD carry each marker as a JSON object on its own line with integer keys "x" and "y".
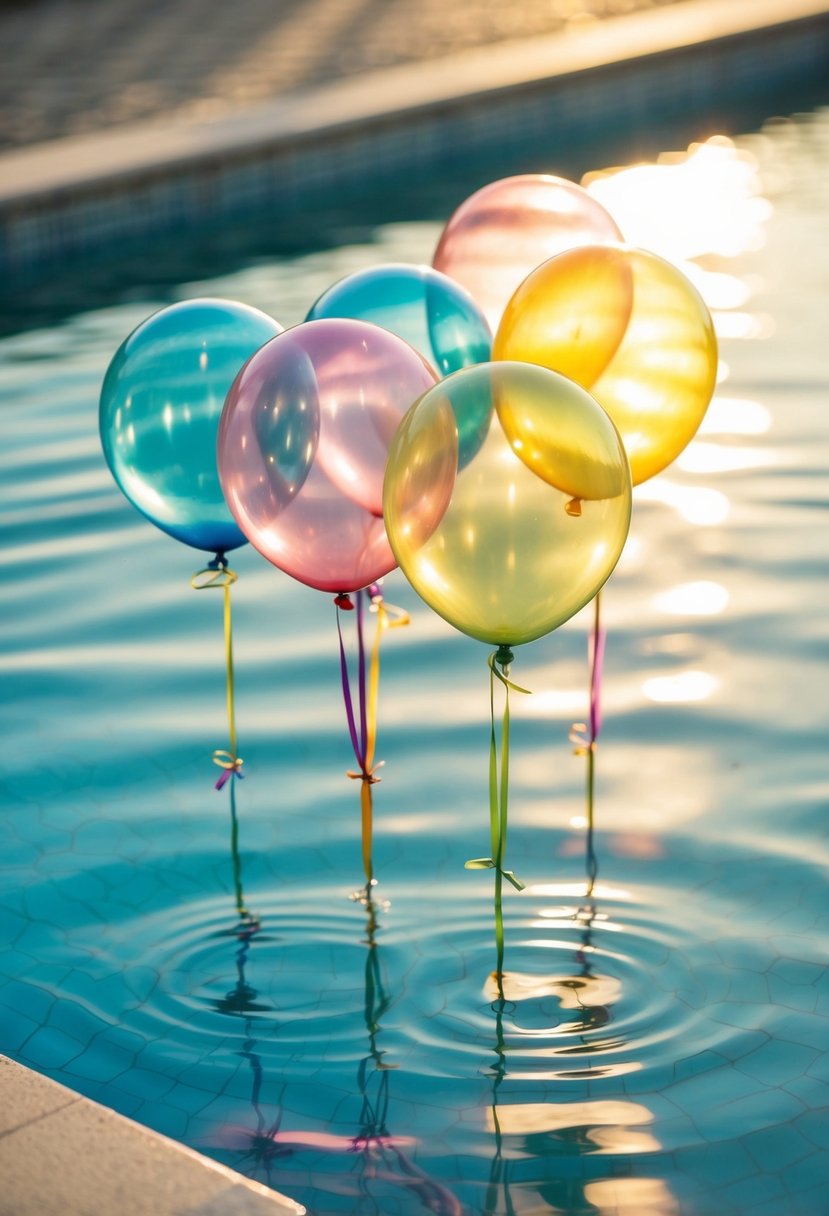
{"x": 503, "y": 231}
{"x": 303, "y": 442}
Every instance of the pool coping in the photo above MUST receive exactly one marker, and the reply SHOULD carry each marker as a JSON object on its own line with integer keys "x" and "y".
{"x": 61, "y": 1152}
{"x": 77, "y": 197}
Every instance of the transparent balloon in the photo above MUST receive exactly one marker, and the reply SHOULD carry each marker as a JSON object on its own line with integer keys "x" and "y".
{"x": 501, "y": 553}
{"x": 303, "y": 443}
{"x": 627, "y": 325}
{"x": 507, "y": 228}
{"x": 432, "y": 312}
{"x": 160, "y": 405}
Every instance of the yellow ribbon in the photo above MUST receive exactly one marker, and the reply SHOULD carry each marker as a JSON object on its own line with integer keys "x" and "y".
{"x": 219, "y": 576}
{"x": 388, "y": 617}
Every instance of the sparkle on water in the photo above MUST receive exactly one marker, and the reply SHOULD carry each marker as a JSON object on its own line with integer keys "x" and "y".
{"x": 660, "y": 1044}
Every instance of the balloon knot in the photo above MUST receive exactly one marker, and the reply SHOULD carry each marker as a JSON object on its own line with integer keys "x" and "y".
{"x": 343, "y": 600}
{"x": 230, "y": 765}
{"x": 504, "y": 657}
{"x": 573, "y": 507}
{"x": 366, "y": 774}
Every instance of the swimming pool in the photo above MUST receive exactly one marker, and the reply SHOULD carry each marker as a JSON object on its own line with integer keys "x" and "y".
{"x": 662, "y": 1045}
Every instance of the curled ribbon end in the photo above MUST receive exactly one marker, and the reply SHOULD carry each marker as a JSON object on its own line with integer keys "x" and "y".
{"x": 367, "y": 775}
{"x": 581, "y": 739}
{"x": 230, "y": 765}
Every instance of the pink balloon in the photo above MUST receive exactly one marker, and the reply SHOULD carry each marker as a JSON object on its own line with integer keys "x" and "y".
{"x": 303, "y": 442}
{"x": 503, "y": 231}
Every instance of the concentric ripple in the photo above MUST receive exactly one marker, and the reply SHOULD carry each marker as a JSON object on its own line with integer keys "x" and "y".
{"x": 597, "y": 985}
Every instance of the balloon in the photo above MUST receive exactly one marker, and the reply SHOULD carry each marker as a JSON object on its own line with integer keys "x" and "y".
{"x": 302, "y": 448}
{"x": 430, "y": 311}
{"x": 627, "y": 325}
{"x": 504, "y": 230}
{"x": 160, "y": 405}
{"x": 496, "y": 550}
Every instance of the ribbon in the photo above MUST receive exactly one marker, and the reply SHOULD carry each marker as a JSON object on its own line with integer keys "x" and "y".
{"x": 217, "y": 575}
{"x": 362, "y": 725}
{"x": 584, "y": 736}
{"x": 499, "y": 797}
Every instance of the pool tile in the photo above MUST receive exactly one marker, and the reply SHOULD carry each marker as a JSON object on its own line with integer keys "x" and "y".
{"x": 776, "y": 1148}
{"x": 776, "y": 1062}
{"x": 102, "y": 1060}
{"x": 50, "y": 1048}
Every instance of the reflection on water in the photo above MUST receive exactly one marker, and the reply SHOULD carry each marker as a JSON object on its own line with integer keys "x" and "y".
{"x": 566, "y": 1014}
{"x": 707, "y": 201}
{"x": 660, "y": 1045}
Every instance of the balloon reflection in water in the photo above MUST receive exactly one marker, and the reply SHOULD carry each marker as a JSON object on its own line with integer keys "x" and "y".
{"x": 552, "y": 1133}
{"x": 377, "y": 1160}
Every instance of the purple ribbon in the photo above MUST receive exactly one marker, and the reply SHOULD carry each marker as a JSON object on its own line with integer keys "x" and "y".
{"x": 359, "y": 751}
{"x": 595, "y": 655}
{"x": 226, "y": 774}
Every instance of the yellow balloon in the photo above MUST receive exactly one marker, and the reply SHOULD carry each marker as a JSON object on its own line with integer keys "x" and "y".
{"x": 501, "y": 553}
{"x": 630, "y": 327}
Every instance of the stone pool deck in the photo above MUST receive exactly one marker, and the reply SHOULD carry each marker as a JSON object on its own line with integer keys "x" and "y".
{"x": 82, "y": 196}
{"x": 61, "y": 1153}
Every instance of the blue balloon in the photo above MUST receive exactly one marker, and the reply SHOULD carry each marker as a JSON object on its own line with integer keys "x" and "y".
{"x": 161, "y": 402}
{"x": 432, "y": 312}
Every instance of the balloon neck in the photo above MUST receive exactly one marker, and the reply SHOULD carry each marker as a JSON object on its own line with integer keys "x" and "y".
{"x": 573, "y": 507}
{"x": 504, "y": 657}
{"x": 343, "y": 600}
{"x": 219, "y": 562}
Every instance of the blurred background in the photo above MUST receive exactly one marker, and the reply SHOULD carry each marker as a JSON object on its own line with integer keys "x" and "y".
{"x": 73, "y": 66}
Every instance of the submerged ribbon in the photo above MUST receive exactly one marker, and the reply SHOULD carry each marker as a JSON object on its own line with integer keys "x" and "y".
{"x": 217, "y": 575}
{"x": 499, "y": 796}
{"x": 362, "y": 726}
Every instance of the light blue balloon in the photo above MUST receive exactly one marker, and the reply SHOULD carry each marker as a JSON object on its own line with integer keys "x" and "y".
{"x": 432, "y": 312}
{"x": 161, "y": 402}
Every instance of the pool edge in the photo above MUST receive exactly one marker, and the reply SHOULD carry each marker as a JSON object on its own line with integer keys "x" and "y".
{"x": 76, "y": 198}
{"x": 62, "y": 1152}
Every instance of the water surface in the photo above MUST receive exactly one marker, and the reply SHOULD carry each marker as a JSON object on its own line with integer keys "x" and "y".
{"x": 661, "y": 1044}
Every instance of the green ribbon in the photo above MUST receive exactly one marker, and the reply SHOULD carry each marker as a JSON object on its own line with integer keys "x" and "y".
{"x": 499, "y": 797}
{"x": 217, "y": 575}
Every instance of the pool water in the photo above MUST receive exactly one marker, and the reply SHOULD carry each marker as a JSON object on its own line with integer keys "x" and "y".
{"x": 661, "y": 1044}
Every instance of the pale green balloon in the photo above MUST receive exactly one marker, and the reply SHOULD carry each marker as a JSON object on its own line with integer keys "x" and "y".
{"x": 498, "y": 551}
